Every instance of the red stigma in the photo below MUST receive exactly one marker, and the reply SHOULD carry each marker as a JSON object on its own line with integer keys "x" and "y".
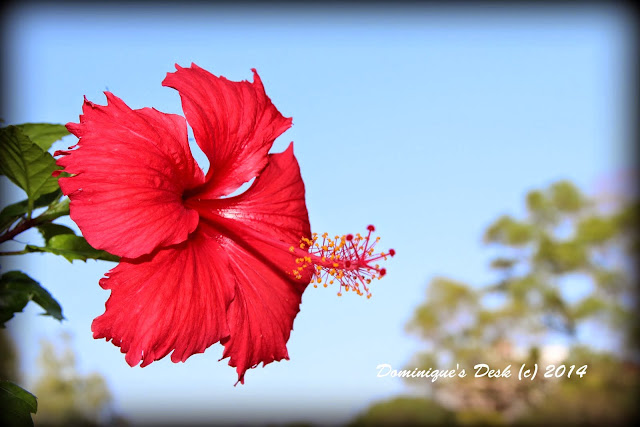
{"x": 349, "y": 237}
{"x": 371, "y": 228}
{"x": 392, "y": 252}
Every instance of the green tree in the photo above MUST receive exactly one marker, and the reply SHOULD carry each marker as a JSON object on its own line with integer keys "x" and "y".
{"x": 562, "y": 273}
{"x": 403, "y": 411}
{"x": 66, "y": 397}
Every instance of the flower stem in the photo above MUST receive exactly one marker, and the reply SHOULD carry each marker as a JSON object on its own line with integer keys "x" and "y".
{"x": 22, "y": 252}
{"x": 23, "y": 225}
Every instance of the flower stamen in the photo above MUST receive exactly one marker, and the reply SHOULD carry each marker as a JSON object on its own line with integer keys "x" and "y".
{"x": 347, "y": 259}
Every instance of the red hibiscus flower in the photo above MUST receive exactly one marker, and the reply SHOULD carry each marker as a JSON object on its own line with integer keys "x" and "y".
{"x": 198, "y": 267}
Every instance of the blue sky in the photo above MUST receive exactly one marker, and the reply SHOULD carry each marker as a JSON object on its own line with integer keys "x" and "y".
{"x": 426, "y": 122}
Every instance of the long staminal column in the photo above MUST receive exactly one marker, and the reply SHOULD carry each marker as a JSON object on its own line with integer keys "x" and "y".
{"x": 350, "y": 260}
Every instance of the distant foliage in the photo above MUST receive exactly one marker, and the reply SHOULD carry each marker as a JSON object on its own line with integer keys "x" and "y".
{"x": 403, "y": 411}
{"x": 564, "y": 273}
{"x": 68, "y": 398}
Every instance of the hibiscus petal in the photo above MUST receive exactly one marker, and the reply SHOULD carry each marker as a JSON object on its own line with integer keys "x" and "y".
{"x": 174, "y": 299}
{"x": 234, "y": 124}
{"x": 133, "y": 167}
{"x": 261, "y": 315}
{"x": 267, "y": 296}
{"x": 273, "y": 205}
{"x": 226, "y": 283}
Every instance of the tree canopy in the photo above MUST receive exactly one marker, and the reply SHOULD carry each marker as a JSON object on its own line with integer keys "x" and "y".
{"x": 563, "y": 295}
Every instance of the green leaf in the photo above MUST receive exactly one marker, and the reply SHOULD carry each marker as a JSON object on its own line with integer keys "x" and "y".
{"x": 56, "y": 210}
{"x": 50, "y": 230}
{"x": 540, "y": 207}
{"x": 26, "y": 164}
{"x": 588, "y": 307}
{"x": 566, "y": 197}
{"x": 73, "y": 247}
{"x": 595, "y": 230}
{"x": 562, "y": 257}
{"x": 17, "y": 289}
{"x": 503, "y": 263}
{"x": 16, "y": 405}
{"x": 508, "y": 231}
{"x": 536, "y": 201}
{"x": 13, "y": 212}
{"x": 43, "y": 134}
